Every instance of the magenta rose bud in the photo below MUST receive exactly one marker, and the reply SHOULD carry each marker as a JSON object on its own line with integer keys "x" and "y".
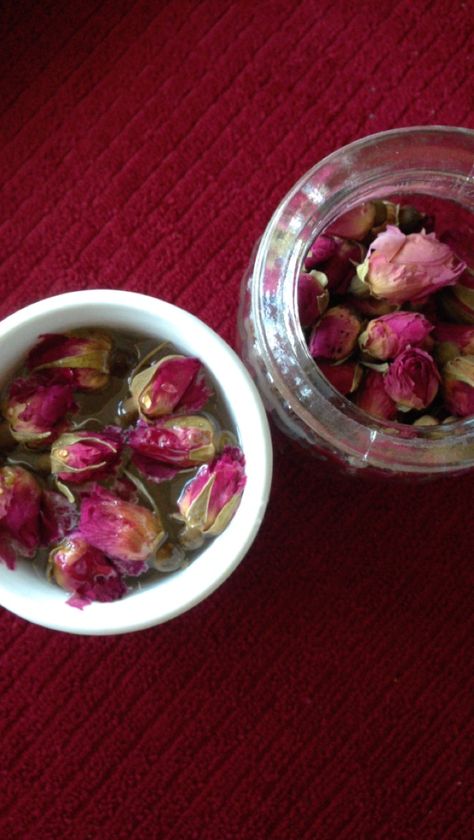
{"x": 35, "y": 409}
{"x": 373, "y": 398}
{"x": 356, "y": 223}
{"x": 313, "y": 297}
{"x": 210, "y": 500}
{"x": 458, "y": 386}
{"x": 86, "y": 357}
{"x": 84, "y": 571}
{"x": 174, "y": 384}
{"x": 321, "y": 250}
{"x": 20, "y": 499}
{"x": 400, "y": 268}
{"x": 412, "y": 380}
{"x": 180, "y": 442}
{"x": 85, "y": 455}
{"x": 344, "y": 377}
{"x": 335, "y": 335}
{"x": 128, "y": 533}
{"x": 385, "y": 337}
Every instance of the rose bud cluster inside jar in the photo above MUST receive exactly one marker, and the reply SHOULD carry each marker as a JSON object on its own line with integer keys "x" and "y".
{"x": 118, "y": 461}
{"x": 386, "y": 304}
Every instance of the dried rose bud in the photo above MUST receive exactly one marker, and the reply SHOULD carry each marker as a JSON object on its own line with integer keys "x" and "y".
{"x": 86, "y": 356}
{"x": 458, "y": 386}
{"x": 58, "y": 517}
{"x": 453, "y": 340}
{"x": 356, "y": 223}
{"x": 344, "y": 377}
{"x": 180, "y": 442}
{"x": 20, "y": 497}
{"x": 373, "y": 398}
{"x": 175, "y": 383}
{"x": 385, "y": 337}
{"x": 313, "y": 297}
{"x": 126, "y": 532}
{"x": 341, "y": 268}
{"x": 412, "y": 379}
{"x": 35, "y": 408}
{"x": 209, "y": 501}
{"x": 335, "y": 335}
{"x": 401, "y": 268}
{"x": 321, "y": 250}
{"x": 370, "y": 307}
{"x": 85, "y": 455}
{"x": 85, "y": 571}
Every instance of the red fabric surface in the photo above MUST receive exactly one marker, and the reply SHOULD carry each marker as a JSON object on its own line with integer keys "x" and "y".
{"x": 325, "y": 690}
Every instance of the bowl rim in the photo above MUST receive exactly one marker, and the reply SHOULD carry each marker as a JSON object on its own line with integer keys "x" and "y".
{"x": 181, "y": 590}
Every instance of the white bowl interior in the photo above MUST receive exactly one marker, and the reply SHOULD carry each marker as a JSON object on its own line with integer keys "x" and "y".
{"x": 25, "y": 591}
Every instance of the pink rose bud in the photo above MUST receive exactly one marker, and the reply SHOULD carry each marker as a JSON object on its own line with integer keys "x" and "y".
{"x": 87, "y": 357}
{"x": 373, "y": 398}
{"x": 35, "y": 408}
{"x": 58, "y": 517}
{"x": 313, "y": 297}
{"x": 412, "y": 380}
{"x": 85, "y": 455}
{"x": 401, "y": 268}
{"x": 321, "y": 250}
{"x": 20, "y": 497}
{"x": 356, "y": 223}
{"x": 175, "y": 383}
{"x": 344, "y": 377}
{"x": 83, "y": 570}
{"x": 180, "y": 442}
{"x": 458, "y": 386}
{"x": 128, "y": 533}
{"x": 335, "y": 335}
{"x": 453, "y": 340}
{"x": 210, "y": 500}
{"x": 385, "y": 337}
{"x": 341, "y": 268}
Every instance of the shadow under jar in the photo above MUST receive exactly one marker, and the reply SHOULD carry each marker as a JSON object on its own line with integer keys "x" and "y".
{"x": 430, "y": 167}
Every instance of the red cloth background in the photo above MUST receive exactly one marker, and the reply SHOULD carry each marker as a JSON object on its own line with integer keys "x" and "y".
{"x": 325, "y": 690}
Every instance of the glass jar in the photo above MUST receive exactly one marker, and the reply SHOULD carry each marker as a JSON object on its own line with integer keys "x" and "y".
{"x": 432, "y": 161}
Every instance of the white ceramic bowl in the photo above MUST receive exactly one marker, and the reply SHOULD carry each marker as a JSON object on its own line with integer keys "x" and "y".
{"x": 28, "y": 594}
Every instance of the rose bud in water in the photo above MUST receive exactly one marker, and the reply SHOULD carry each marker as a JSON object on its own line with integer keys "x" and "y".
{"x": 458, "y": 386}
{"x": 401, "y": 268}
{"x": 179, "y": 442}
{"x": 87, "y": 357}
{"x": 373, "y": 398}
{"x": 20, "y": 498}
{"x": 209, "y": 501}
{"x": 35, "y": 408}
{"x": 335, "y": 335}
{"x": 175, "y": 383}
{"x": 85, "y": 455}
{"x": 84, "y": 571}
{"x": 412, "y": 380}
{"x": 313, "y": 297}
{"x": 385, "y": 337}
{"x": 126, "y": 532}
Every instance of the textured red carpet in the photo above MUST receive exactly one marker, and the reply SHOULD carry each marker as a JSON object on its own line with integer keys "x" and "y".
{"x": 325, "y": 690}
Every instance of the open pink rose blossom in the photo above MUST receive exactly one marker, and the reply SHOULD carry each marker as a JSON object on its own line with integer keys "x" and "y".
{"x": 412, "y": 379}
{"x": 401, "y": 268}
{"x": 385, "y": 337}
